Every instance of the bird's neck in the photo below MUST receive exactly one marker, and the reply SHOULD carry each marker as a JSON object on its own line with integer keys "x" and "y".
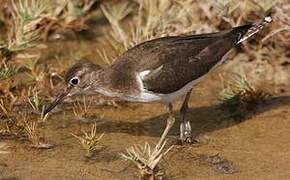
{"x": 115, "y": 82}
{"x": 102, "y": 82}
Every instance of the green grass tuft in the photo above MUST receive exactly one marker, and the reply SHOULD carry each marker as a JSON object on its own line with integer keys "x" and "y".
{"x": 90, "y": 141}
{"x": 7, "y": 71}
{"x": 240, "y": 95}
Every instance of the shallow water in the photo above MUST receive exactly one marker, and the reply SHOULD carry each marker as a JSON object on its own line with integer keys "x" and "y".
{"x": 254, "y": 147}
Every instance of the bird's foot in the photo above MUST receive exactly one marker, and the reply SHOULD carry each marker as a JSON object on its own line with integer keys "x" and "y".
{"x": 186, "y": 133}
{"x": 146, "y": 158}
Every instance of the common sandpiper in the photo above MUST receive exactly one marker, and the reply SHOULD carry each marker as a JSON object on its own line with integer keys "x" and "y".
{"x": 159, "y": 70}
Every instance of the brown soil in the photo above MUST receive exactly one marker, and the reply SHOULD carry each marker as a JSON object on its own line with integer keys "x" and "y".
{"x": 254, "y": 147}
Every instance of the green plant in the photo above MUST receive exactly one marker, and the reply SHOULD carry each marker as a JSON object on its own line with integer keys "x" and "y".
{"x": 35, "y": 102}
{"x": 7, "y": 71}
{"x": 68, "y": 15}
{"x": 239, "y": 95}
{"x": 43, "y": 117}
{"x": 90, "y": 141}
{"x": 26, "y": 24}
{"x": 77, "y": 9}
{"x": 27, "y": 15}
{"x": 234, "y": 11}
{"x": 34, "y": 99}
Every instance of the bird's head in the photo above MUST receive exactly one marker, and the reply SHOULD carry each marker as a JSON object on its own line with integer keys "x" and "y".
{"x": 79, "y": 78}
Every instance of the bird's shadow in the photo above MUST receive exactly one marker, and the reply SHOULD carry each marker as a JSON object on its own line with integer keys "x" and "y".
{"x": 203, "y": 119}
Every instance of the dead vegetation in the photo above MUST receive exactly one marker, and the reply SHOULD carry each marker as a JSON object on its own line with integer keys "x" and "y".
{"x": 240, "y": 96}
{"x": 36, "y": 104}
{"x": 31, "y": 22}
{"x": 154, "y": 19}
{"x": 81, "y": 110}
{"x": 7, "y": 71}
{"x": 3, "y": 148}
{"x": 33, "y": 135}
{"x": 34, "y": 99}
{"x": 90, "y": 141}
{"x": 24, "y": 31}
{"x": 12, "y": 127}
{"x": 21, "y": 128}
{"x": 146, "y": 159}
{"x": 6, "y": 105}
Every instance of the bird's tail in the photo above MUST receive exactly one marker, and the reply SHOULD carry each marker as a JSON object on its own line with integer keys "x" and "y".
{"x": 253, "y": 29}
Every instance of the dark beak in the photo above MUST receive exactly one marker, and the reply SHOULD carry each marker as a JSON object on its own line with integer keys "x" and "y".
{"x": 59, "y": 98}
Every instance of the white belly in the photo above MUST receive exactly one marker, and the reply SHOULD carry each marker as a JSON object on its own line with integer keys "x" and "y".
{"x": 148, "y": 96}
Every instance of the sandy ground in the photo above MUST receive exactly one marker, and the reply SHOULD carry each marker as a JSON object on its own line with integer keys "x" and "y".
{"x": 255, "y": 147}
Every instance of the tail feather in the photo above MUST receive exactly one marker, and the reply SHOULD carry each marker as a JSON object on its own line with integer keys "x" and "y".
{"x": 256, "y": 27}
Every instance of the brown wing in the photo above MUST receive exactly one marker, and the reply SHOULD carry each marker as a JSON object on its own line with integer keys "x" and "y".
{"x": 175, "y": 61}
{"x": 183, "y": 66}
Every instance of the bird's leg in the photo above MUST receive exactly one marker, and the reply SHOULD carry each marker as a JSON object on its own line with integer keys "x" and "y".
{"x": 185, "y": 128}
{"x": 147, "y": 160}
{"x": 169, "y": 124}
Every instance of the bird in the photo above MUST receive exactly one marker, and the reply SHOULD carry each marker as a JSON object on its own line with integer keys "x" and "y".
{"x": 159, "y": 70}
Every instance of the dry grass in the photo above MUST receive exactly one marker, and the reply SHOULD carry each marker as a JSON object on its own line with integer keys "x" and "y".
{"x": 153, "y": 19}
{"x": 4, "y": 129}
{"x": 73, "y": 13}
{"x": 167, "y": 17}
{"x": 6, "y": 71}
{"x": 35, "y": 102}
{"x": 19, "y": 127}
{"x": 67, "y": 15}
{"x": 7, "y": 105}
{"x": 33, "y": 135}
{"x": 90, "y": 141}
{"x": 133, "y": 23}
{"x": 146, "y": 160}
{"x": 3, "y": 148}
{"x": 37, "y": 71}
{"x": 81, "y": 110}
{"x": 32, "y": 20}
{"x": 239, "y": 95}
{"x": 34, "y": 99}
{"x": 24, "y": 28}
{"x": 12, "y": 127}
{"x": 7, "y": 111}
{"x": 28, "y": 21}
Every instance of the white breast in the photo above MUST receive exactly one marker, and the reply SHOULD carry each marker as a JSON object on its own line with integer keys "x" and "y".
{"x": 148, "y": 96}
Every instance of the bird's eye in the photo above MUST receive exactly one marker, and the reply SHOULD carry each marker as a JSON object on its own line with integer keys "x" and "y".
{"x": 74, "y": 81}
